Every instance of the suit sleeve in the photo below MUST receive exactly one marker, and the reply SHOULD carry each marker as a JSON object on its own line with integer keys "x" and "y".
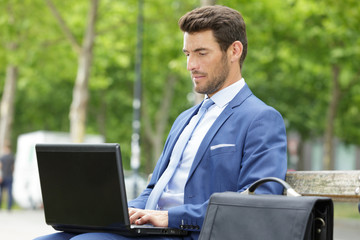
{"x": 264, "y": 152}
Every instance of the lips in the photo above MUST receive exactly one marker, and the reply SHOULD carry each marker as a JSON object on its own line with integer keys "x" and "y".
{"x": 197, "y": 76}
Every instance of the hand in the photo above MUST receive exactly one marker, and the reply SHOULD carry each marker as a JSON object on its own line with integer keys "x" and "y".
{"x": 154, "y": 217}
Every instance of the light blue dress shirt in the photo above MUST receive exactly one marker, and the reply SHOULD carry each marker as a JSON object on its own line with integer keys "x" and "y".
{"x": 173, "y": 194}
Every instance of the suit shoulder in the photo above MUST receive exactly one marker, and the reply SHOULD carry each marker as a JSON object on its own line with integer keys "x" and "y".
{"x": 255, "y": 106}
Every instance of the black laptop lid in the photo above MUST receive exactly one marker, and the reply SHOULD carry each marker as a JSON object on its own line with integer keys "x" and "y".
{"x": 82, "y": 185}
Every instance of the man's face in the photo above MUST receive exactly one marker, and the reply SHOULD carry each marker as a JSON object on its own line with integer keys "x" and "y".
{"x": 208, "y": 65}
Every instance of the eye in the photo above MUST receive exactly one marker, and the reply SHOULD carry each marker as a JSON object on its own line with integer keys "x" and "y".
{"x": 202, "y": 53}
{"x": 186, "y": 53}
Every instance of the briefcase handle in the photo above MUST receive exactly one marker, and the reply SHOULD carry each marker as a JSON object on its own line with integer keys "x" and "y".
{"x": 290, "y": 192}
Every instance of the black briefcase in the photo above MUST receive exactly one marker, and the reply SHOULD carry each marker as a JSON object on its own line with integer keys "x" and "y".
{"x": 248, "y": 216}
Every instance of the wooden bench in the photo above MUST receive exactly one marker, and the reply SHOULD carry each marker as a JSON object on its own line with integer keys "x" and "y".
{"x": 343, "y": 186}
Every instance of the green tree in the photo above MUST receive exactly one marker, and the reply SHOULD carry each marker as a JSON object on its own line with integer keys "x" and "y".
{"x": 303, "y": 60}
{"x": 297, "y": 49}
{"x": 79, "y": 104}
{"x": 10, "y": 43}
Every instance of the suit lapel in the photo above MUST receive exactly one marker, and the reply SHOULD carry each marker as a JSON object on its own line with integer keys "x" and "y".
{"x": 178, "y": 128}
{"x": 244, "y": 93}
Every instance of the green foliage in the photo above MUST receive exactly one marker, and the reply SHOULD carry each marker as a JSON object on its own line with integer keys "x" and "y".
{"x": 293, "y": 45}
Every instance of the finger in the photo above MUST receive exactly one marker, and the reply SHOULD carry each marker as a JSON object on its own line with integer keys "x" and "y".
{"x": 132, "y": 211}
{"x": 135, "y": 216}
{"x": 158, "y": 218}
{"x": 143, "y": 220}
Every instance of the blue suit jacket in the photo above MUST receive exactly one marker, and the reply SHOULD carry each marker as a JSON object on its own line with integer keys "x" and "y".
{"x": 246, "y": 142}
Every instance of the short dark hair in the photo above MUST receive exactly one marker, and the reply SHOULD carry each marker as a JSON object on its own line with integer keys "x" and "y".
{"x": 226, "y": 23}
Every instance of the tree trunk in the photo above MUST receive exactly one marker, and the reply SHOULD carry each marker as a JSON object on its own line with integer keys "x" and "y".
{"x": 7, "y": 106}
{"x": 155, "y": 136}
{"x": 328, "y": 159}
{"x": 78, "y": 109}
{"x": 80, "y": 99}
{"x": 101, "y": 115}
{"x": 163, "y": 116}
{"x": 207, "y": 2}
{"x": 301, "y": 152}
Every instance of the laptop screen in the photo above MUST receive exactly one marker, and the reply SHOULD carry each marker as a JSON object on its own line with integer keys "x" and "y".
{"x": 82, "y": 185}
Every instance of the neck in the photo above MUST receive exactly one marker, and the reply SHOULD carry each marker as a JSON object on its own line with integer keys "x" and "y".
{"x": 234, "y": 74}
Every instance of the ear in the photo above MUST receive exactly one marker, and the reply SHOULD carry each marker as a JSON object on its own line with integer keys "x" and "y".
{"x": 236, "y": 50}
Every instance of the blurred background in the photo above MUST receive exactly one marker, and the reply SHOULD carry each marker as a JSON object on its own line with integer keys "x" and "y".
{"x": 114, "y": 71}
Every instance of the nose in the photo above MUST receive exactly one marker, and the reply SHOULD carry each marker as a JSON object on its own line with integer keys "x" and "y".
{"x": 192, "y": 63}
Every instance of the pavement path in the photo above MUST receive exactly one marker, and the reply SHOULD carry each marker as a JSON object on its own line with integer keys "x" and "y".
{"x": 23, "y": 225}
{"x": 26, "y": 225}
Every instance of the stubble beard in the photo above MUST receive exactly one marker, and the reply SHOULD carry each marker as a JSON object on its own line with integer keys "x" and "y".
{"x": 217, "y": 81}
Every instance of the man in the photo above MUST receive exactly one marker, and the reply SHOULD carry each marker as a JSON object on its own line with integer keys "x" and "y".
{"x": 237, "y": 141}
{"x": 6, "y": 175}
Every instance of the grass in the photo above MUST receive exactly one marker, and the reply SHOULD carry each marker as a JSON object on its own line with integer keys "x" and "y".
{"x": 346, "y": 210}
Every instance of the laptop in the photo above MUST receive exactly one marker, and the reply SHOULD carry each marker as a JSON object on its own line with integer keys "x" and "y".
{"x": 83, "y": 190}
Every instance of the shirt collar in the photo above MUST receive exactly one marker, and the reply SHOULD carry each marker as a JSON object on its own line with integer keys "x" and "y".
{"x": 224, "y": 96}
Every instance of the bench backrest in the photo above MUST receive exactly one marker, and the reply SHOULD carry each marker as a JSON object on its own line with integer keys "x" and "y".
{"x": 339, "y": 185}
